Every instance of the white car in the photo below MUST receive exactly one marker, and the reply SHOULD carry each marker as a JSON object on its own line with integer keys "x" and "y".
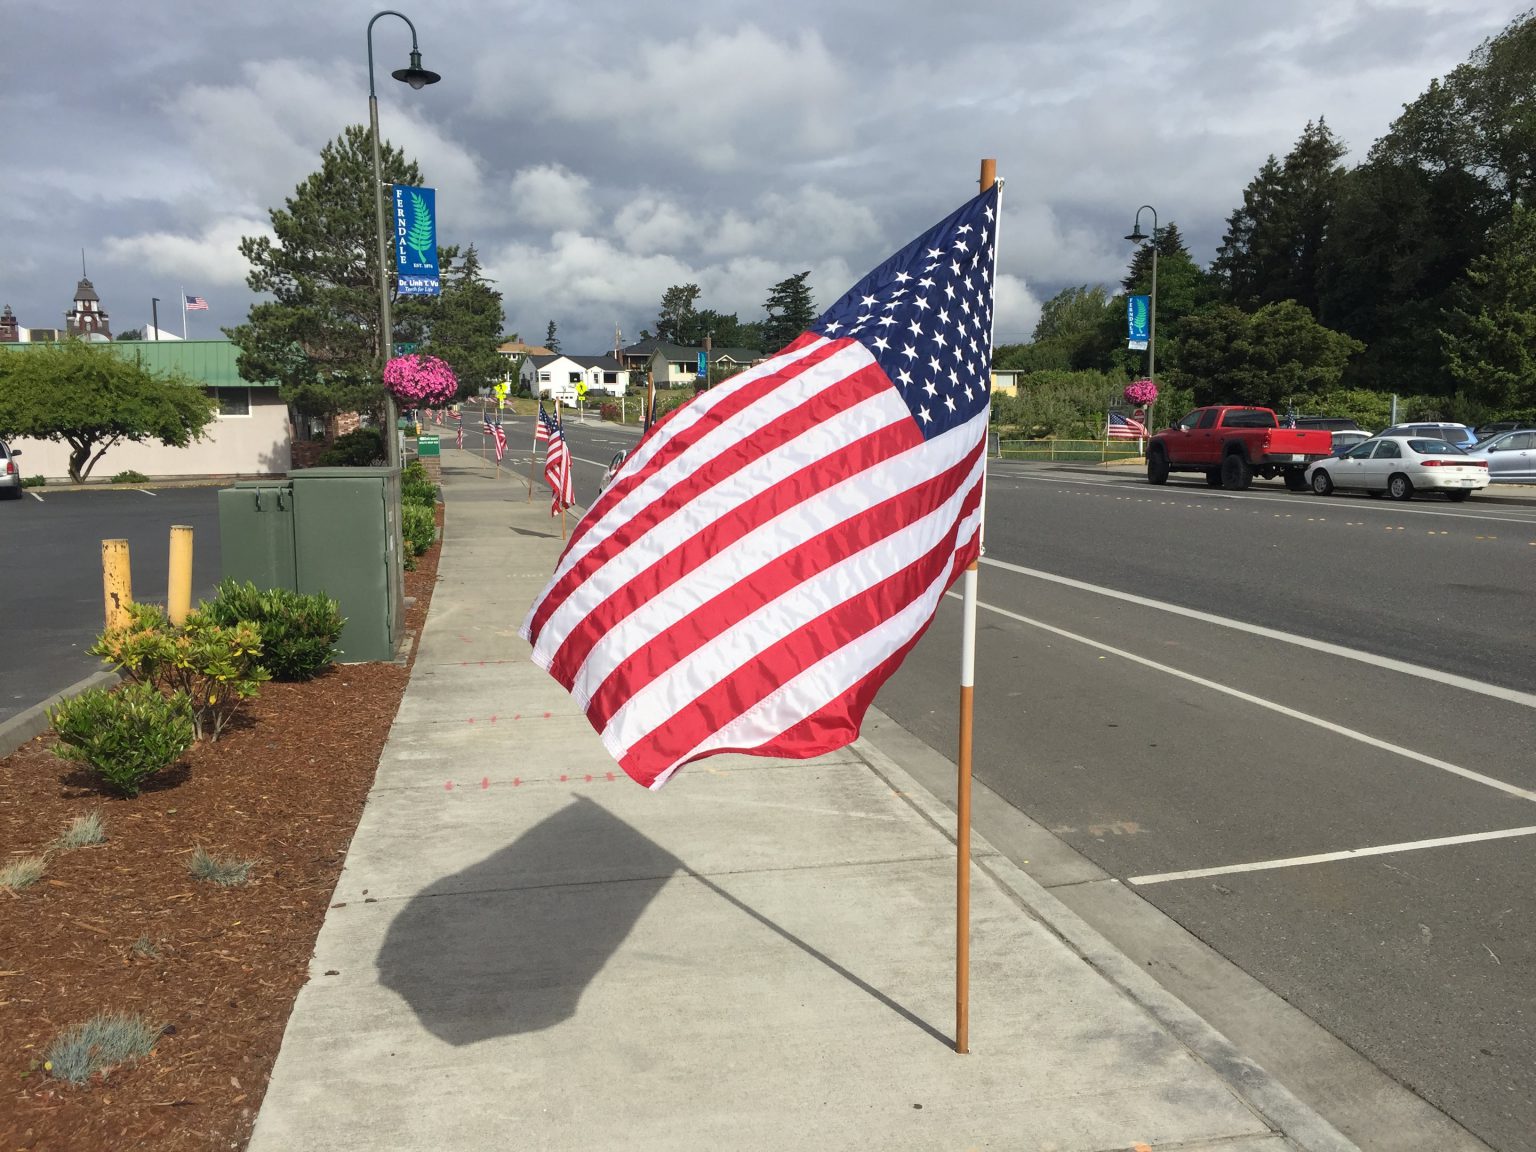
{"x": 10, "y": 472}
{"x": 1401, "y": 466}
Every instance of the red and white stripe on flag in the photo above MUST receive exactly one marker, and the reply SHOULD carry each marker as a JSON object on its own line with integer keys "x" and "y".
{"x": 500, "y": 438}
{"x": 557, "y": 471}
{"x": 769, "y": 553}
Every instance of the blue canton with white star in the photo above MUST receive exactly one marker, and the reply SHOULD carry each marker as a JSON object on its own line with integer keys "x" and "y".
{"x": 926, "y": 316}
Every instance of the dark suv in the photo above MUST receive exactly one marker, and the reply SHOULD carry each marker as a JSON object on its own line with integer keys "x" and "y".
{"x": 1331, "y": 423}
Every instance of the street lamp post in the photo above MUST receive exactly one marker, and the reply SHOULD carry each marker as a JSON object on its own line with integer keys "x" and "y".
{"x": 417, "y": 77}
{"x": 1138, "y": 236}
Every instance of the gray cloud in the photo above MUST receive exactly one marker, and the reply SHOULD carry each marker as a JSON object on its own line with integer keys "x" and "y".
{"x": 598, "y": 153}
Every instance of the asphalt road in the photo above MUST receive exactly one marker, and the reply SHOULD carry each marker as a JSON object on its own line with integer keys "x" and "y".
{"x": 1155, "y": 743}
{"x": 51, "y": 607}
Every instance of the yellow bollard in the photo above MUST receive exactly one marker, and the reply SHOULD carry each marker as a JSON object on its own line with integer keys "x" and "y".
{"x": 178, "y": 593}
{"x": 116, "y": 581}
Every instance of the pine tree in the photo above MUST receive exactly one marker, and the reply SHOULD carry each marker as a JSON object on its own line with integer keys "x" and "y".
{"x": 318, "y": 336}
{"x": 678, "y": 320}
{"x": 551, "y": 341}
{"x": 790, "y": 312}
{"x": 463, "y": 325}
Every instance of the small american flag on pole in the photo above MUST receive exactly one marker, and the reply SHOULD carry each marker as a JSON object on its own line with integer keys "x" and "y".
{"x": 1124, "y": 428}
{"x": 545, "y": 425}
{"x": 196, "y": 304}
{"x": 501, "y": 440}
{"x": 557, "y": 470}
{"x": 769, "y": 553}
{"x": 458, "y": 435}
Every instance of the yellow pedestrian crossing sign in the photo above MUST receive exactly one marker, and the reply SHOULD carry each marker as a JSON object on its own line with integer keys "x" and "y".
{"x": 581, "y": 390}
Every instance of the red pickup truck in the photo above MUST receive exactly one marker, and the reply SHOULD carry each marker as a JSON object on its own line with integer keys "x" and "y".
{"x": 1232, "y": 444}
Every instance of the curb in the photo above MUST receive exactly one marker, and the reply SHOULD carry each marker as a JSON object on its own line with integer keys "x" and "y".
{"x": 34, "y": 721}
{"x": 1266, "y": 1096}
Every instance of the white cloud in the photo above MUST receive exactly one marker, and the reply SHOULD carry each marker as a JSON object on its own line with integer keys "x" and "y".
{"x": 551, "y": 197}
{"x": 212, "y": 256}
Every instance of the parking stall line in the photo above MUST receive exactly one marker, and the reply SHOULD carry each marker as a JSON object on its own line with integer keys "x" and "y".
{"x": 1449, "y": 679}
{"x": 1329, "y": 857}
{"x": 1259, "y": 701}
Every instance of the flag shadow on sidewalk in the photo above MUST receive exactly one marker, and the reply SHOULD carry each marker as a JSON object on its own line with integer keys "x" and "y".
{"x": 509, "y": 945}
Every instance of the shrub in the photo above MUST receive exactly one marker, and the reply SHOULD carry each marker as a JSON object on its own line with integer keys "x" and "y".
{"x": 418, "y": 492}
{"x": 22, "y": 873}
{"x": 609, "y": 410}
{"x": 125, "y": 737}
{"x": 216, "y": 667}
{"x": 34, "y": 481}
{"x": 298, "y": 630}
{"x": 83, "y": 832}
{"x": 129, "y": 476}
{"x": 225, "y": 871}
{"x": 418, "y": 525}
{"x": 357, "y": 449}
{"x": 414, "y": 472}
{"x": 104, "y": 1041}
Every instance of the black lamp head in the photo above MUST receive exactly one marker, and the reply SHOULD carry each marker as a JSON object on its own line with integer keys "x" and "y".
{"x": 416, "y": 76}
{"x": 1137, "y": 235}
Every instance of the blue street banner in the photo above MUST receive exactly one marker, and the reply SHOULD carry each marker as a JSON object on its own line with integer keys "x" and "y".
{"x": 416, "y": 241}
{"x": 1138, "y": 321}
{"x": 703, "y": 364}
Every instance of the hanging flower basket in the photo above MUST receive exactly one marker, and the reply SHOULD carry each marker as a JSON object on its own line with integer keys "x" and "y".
{"x": 1141, "y": 392}
{"x": 420, "y": 381}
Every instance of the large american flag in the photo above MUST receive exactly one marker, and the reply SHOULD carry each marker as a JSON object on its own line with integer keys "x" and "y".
{"x": 770, "y": 552}
{"x": 196, "y": 304}
{"x": 557, "y": 466}
{"x": 1124, "y": 428}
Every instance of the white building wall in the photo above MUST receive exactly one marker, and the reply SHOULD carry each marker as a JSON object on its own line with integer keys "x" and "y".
{"x": 254, "y": 445}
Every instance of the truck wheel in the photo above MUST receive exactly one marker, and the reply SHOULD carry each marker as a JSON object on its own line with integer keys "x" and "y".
{"x": 1295, "y": 480}
{"x": 1157, "y": 467}
{"x": 1322, "y": 483}
{"x": 1399, "y": 487}
{"x": 1236, "y": 472}
{"x": 1213, "y": 477}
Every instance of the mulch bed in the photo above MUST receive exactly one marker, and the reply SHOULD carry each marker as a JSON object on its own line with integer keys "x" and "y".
{"x": 125, "y": 927}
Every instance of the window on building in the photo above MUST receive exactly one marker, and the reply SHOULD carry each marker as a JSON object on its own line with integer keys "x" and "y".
{"x": 575, "y": 377}
{"x": 543, "y": 377}
{"x": 231, "y": 401}
{"x": 610, "y": 377}
{"x": 683, "y": 367}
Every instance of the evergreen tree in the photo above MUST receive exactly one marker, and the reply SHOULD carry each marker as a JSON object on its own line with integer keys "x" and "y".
{"x": 1270, "y": 250}
{"x": 463, "y": 325}
{"x": 1490, "y": 337}
{"x": 1273, "y": 357}
{"x": 318, "y": 336}
{"x": 790, "y": 312}
{"x": 551, "y": 341}
{"x": 678, "y": 320}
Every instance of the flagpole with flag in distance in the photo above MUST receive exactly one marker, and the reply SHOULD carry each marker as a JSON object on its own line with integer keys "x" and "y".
{"x": 533, "y": 453}
{"x": 967, "y": 708}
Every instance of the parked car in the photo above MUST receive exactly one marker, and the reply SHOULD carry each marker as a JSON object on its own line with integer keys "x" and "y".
{"x": 1232, "y": 444}
{"x": 1511, "y": 457}
{"x": 1400, "y": 466}
{"x": 1457, "y": 434}
{"x": 10, "y": 472}
{"x": 1328, "y": 423}
{"x": 1489, "y": 431}
{"x": 1343, "y": 441}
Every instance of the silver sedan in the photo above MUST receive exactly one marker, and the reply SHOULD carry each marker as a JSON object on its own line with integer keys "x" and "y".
{"x": 1510, "y": 456}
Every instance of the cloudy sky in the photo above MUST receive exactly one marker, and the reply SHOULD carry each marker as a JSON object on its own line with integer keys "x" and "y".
{"x": 597, "y": 153}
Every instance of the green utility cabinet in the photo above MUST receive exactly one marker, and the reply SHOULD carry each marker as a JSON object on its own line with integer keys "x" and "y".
{"x": 330, "y": 530}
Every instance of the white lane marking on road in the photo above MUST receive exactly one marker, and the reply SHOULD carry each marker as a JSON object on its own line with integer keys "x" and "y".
{"x": 1327, "y": 857}
{"x": 1249, "y": 698}
{"x": 1515, "y": 516}
{"x": 1450, "y": 679}
{"x": 36, "y": 497}
{"x": 146, "y": 491}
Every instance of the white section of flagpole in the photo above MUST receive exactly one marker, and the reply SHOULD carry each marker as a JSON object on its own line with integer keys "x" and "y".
{"x": 183, "y": 291}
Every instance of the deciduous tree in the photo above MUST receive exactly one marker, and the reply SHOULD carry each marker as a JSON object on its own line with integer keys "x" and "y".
{"x": 91, "y": 397}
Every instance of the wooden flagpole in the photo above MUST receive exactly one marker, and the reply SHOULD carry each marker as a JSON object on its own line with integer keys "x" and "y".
{"x": 533, "y": 464}
{"x": 963, "y": 807}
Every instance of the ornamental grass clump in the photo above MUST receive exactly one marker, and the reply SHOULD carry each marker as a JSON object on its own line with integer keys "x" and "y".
{"x": 99, "y": 1045}
{"x": 298, "y": 630}
{"x": 23, "y": 873}
{"x": 124, "y": 737}
{"x": 225, "y": 871}
{"x": 216, "y": 667}
{"x": 85, "y": 831}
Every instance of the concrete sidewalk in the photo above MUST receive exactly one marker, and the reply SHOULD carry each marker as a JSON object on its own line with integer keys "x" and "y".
{"x": 527, "y": 950}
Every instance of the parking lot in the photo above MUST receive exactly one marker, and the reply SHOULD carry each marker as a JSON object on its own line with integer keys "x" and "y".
{"x": 50, "y": 572}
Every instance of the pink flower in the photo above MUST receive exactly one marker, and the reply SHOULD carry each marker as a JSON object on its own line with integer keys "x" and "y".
{"x": 420, "y": 380}
{"x": 1141, "y": 392}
